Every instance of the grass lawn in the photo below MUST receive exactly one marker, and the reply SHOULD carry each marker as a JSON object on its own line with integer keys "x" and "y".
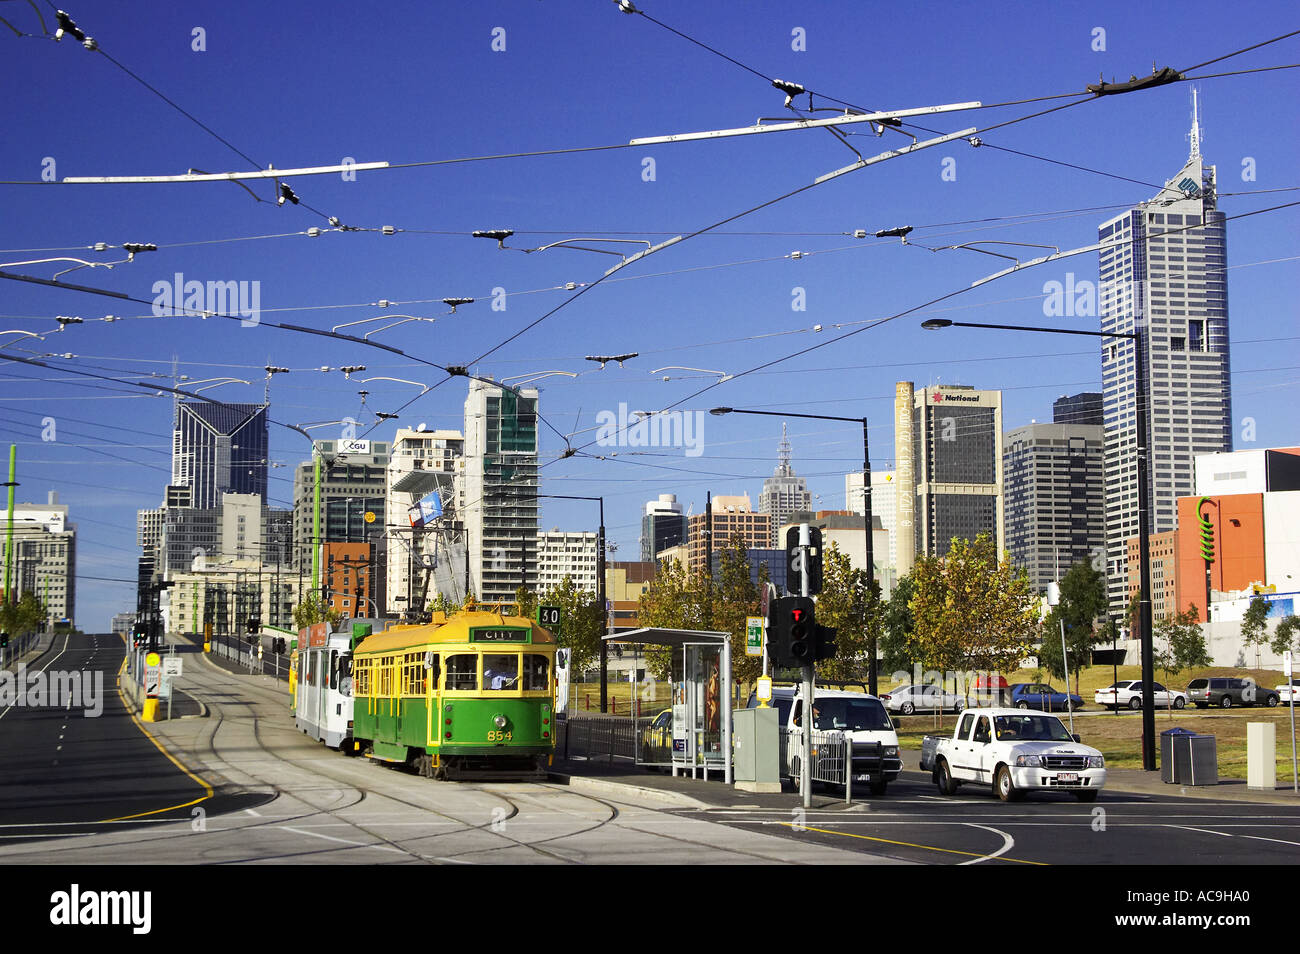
{"x": 1120, "y": 737}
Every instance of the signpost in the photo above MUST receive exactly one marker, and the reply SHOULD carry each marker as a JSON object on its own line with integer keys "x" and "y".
{"x": 1288, "y": 667}
{"x": 754, "y": 626}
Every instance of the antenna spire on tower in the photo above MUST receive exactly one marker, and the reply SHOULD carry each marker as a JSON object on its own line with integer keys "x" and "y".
{"x": 783, "y": 468}
{"x": 1195, "y": 135}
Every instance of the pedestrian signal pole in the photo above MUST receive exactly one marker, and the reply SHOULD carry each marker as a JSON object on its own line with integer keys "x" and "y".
{"x": 805, "y": 769}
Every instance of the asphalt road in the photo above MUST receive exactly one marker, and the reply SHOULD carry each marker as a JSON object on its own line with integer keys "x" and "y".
{"x": 913, "y": 823}
{"x": 73, "y": 765}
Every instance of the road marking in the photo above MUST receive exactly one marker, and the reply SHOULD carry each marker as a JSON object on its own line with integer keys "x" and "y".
{"x": 1007, "y": 844}
{"x": 1262, "y": 838}
{"x": 358, "y": 844}
{"x": 45, "y": 667}
{"x": 253, "y": 813}
{"x": 140, "y": 725}
{"x": 908, "y": 844}
{"x": 1203, "y": 831}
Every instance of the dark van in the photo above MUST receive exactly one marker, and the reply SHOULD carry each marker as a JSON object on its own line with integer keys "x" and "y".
{"x": 1226, "y": 692}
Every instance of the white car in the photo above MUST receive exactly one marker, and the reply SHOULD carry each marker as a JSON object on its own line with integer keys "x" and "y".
{"x": 1128, "y": 693}
{"x": 1287, "y": 694}
{"x": 908, "y": 699}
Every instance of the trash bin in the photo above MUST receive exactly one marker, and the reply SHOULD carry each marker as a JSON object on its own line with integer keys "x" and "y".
{"x": 1176, "y": 756}
{"x": 1203, "y": 758}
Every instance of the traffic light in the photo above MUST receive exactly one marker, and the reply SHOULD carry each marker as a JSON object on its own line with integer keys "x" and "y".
{"x": 794, "y": 638}
{"x": 139, "y": 634}
{"x": 4, "y": 640}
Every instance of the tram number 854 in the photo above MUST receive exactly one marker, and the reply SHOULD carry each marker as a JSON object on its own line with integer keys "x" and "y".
{"x": 495, "y": 736}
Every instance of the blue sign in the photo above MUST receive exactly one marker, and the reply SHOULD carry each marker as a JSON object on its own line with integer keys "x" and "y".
{"x": 426, "y": 510}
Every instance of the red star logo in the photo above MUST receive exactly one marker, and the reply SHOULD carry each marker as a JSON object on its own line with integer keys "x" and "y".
{"x": 938, "y": 398}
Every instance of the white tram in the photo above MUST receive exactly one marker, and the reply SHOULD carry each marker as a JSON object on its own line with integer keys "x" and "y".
{"x": 324, "y": 692}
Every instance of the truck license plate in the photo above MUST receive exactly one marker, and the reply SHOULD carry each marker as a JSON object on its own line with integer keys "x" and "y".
{"x": 1067, "y": 777}
{"x": 861, "y": 778}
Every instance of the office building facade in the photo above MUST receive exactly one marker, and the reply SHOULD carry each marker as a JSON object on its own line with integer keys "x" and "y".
{"x": 219, "y": 448}
{"x": 783, "y": 493}
{"x": 662, "y": 526}
{"x": 1162, "y": 267}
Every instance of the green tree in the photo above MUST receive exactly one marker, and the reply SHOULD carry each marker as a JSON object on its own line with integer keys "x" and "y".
{"x": 23, "y": 616}
{"x": 1184, "y": 639}
{"x": 311, "y": 610}
{"x": 852, "y": 607}
{"x": 971, "y": 610}
{"x": 673, "y": 600}
{"x": 1254, "y": 624}
{"x": 582, "y": 620}
{"x": 896, "y": 627}
{"x": 1284, "y": 637}
{"x": 1082, "y": 601}
{"x": 445, "y": 604}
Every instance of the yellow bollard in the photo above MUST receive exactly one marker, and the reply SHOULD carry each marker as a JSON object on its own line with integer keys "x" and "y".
{"x": 150, "y": 712}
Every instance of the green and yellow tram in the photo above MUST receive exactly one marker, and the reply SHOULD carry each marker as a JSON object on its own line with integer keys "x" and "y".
{"x": 471, "y": 695}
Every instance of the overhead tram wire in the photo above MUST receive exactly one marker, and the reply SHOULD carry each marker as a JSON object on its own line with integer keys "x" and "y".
{"x": 915, "y": 308}
{"x": 768, "y": 80}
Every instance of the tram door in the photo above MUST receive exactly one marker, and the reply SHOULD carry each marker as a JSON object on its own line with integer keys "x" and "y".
{"x": 322, "y": 684}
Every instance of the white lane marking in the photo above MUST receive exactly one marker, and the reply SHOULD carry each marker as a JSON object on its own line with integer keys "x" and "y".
{"x": 1007, "y": 844}
{"x": 358, "y": 844}
{"x": 1262, "y": 838}
{"x": 42, "y": 669}
{"x": 253, "y": 813}
{"x": 1203, "y": 831}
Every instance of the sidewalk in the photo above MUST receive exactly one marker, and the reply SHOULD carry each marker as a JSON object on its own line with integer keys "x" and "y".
{"x": 597, "y": 776}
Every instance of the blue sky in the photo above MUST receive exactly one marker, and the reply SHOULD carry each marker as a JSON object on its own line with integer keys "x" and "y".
{"x": 297, "y": 85}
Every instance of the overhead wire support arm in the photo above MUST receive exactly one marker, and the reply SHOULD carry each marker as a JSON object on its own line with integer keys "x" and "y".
{"x": 230, "y": 176}
{"x": 875, "y": 117}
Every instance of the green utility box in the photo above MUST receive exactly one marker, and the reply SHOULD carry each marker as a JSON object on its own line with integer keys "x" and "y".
{"x": 757, "y": 750}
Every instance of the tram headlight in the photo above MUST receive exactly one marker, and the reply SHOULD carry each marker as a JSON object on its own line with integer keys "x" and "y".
{"x": 500, "y": 721}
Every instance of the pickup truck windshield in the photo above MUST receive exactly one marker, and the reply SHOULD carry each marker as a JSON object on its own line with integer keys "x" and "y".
{"x": 1030, "y": 728}
{"x": 850, "y": 714}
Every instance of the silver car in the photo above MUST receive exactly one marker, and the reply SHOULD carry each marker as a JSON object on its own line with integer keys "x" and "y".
{"x": 908, "y": 699}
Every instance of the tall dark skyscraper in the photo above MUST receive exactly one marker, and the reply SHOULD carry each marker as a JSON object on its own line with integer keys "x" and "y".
{"x": 1082, "y": 408}
{"x": 1162, "y": 271}
{"x": 219, "y": 448}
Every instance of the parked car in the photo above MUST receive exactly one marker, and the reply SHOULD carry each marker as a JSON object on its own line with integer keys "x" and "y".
{"x": 657, "y": 738}
{"x": 1288, "y": 693}
{"x": 1039, "y": 695}
{"x": 908, "y": 699}
{"x": 1128, "y": 692}
{"x": 1226, "y": 692}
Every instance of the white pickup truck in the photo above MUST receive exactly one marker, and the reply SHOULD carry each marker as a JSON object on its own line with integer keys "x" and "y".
{"x": 838, "y": 714}
{"x": 1015, "y": 751}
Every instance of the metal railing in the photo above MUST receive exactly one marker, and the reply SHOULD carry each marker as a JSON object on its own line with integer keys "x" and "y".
{"x": 593, "y": 738}
{"x": 831, "y": 761}
{"x": 17, "y": 648}
{"x": 241, "y": 653}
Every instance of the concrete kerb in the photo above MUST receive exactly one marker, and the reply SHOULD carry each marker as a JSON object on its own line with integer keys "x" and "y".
{"x": 604, "y": 786}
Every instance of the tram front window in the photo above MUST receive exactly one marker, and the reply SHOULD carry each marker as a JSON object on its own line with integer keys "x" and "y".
{"x": 462, "y": 672}
{"x": 535, "y": 673}
{"x": 500, "y": 672}
{"x": 345, "y": 674}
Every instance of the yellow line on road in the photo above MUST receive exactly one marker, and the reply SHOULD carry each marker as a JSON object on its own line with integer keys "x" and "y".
{"x": 907, "y": 844}
{"x": 140, "y": 725}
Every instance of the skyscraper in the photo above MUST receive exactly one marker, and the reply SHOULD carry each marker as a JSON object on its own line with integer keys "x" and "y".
{"x": 1162, "y": 271}
{"x": 783, "y": 493}
{"x": 957, "y": 456}
{"x": 1052, "y": 487}
{"x": 500, "y": 512}
{"x": 662, "y": 526}
{"x": 219, "y": 448}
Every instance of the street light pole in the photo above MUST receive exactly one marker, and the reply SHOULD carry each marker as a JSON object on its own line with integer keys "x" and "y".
{"x": 869, "y": 549}
{"x": 1142, "y": 401}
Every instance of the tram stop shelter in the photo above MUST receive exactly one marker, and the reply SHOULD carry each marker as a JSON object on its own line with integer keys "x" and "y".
{"x": 694, "y": 734}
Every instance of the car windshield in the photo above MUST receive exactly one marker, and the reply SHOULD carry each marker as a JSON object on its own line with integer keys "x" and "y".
{"x": 850, "y": 714}
{"x": 1030, "y": 728}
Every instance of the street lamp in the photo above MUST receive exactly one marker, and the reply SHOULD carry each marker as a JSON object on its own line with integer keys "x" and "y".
{"x": 600, "y": 592}
{"x": 866, "y": 505}
{"x": 1142, "y": 400}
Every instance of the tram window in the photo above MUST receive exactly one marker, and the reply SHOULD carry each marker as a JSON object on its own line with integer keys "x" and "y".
{"x": 345, "y": 674}
{"x": 334, "y": 668}
{"x": 500, "y": 671}
{"x": 462, "y": 671}
{"x": 535, "y": 673}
